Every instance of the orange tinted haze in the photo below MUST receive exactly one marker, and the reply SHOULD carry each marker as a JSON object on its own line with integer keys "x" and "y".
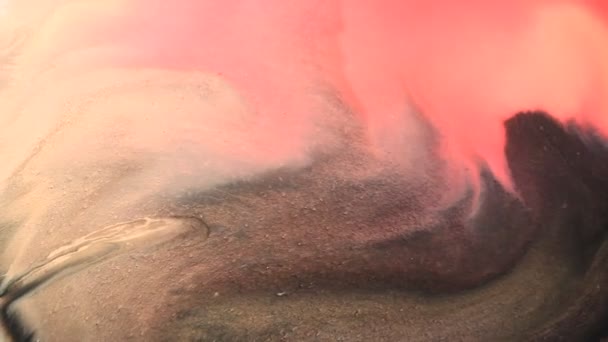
{"x": 466, "y": 67}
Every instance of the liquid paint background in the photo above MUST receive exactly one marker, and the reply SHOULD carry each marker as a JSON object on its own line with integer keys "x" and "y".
{"x": 466, "y": 68}
{"x": 203, "y": 92}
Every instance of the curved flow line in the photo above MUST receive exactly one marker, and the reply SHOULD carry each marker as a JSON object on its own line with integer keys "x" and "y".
{"x": 95, "y": 247}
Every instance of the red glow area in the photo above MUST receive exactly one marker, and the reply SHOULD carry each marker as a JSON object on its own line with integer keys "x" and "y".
{"x": 471, "y": 67}
{"x": 467, "y": 67}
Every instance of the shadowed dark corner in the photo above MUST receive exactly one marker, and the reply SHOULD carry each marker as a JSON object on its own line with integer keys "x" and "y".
{"x": 561, "y": 171}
